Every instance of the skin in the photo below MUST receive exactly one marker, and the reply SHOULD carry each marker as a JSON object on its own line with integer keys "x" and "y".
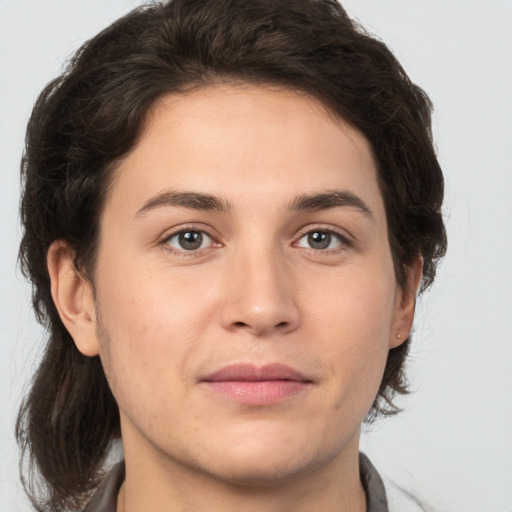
{"x": 256, "y": 291}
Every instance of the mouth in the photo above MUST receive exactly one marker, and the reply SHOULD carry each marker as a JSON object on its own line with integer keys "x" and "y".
{"x": 249, "y": 384}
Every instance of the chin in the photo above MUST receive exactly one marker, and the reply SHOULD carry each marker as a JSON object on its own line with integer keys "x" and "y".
{"x": 267, "y": 464}
{"x": 264, "y": 473}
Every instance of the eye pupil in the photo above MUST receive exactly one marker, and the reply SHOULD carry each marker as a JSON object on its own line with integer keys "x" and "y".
{"x": 190, "y": 240}
{"x": 319, "y": 240}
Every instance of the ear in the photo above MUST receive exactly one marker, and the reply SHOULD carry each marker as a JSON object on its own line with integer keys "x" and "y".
{"x": 73, "y": 297}
{"x": 405, "y": 304}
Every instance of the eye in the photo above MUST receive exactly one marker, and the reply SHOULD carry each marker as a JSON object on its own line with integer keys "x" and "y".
{"x": 321, "y": 240}
{"x": 189, "y": 240}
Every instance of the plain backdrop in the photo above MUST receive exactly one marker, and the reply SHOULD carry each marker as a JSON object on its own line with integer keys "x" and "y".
{"x": 452, "y": 445}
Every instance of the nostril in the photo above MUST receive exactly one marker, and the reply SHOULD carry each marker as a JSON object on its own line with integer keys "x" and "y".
{"x": 280, "y": 325}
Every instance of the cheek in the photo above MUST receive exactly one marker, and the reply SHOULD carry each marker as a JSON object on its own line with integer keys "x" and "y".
{"x": 357, "y": 303}
{"x": 352, "y": 319}
{"x": 149, "y": 325}
{"x": 140, "y": 298}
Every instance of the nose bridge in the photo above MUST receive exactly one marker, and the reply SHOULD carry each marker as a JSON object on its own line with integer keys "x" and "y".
{"x": 260, "y": 296}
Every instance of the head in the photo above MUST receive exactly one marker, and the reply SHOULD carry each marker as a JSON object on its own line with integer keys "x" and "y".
{"x": 188, "y": 54}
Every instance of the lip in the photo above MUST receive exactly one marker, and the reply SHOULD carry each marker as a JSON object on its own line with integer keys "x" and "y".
{"x": 249, "y": 384}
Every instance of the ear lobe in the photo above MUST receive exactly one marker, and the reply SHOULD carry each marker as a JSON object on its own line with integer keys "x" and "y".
{"x": 73, "y": 297}
{"x": 405, "y": 304}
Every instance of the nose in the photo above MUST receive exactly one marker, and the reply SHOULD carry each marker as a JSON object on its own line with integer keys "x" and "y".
{"x": 259, "y": 295}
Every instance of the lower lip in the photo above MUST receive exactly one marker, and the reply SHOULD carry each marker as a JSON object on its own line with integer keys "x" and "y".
{"x": 258, "y": 393}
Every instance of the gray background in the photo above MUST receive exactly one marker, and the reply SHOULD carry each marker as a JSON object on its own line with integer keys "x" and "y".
{"x": 453, "y": 443}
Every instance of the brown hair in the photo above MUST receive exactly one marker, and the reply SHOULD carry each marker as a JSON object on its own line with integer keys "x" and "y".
{"x": 87, "y": 119}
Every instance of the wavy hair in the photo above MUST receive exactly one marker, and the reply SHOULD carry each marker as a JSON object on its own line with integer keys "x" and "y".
{"x": 88, "y": 118}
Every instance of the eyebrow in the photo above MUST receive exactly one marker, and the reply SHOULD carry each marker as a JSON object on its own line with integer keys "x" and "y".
{"x": 208, "y": 202}
{"x": 328, "y": 200}
{"x": 190, "y": 200}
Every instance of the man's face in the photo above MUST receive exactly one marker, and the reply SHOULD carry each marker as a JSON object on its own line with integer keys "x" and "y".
{"x": 244, "y": 287}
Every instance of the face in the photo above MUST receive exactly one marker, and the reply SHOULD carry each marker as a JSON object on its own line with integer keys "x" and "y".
{"x": 245, "y": 296}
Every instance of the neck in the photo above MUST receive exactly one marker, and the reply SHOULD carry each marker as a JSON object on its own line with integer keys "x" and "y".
{"x": 159, "y": 484}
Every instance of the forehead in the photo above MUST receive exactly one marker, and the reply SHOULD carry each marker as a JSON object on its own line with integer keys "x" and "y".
{"x": 232, "y": 140}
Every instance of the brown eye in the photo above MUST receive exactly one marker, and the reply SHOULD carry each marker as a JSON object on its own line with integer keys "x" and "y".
{"x": 189, "y": 240}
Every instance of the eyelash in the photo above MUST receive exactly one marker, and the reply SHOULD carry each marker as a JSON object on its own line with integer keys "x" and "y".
{"x": 344, "y": 241}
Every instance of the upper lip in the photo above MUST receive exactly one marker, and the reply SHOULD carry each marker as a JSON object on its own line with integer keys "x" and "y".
{"x": 252, "y": 373}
